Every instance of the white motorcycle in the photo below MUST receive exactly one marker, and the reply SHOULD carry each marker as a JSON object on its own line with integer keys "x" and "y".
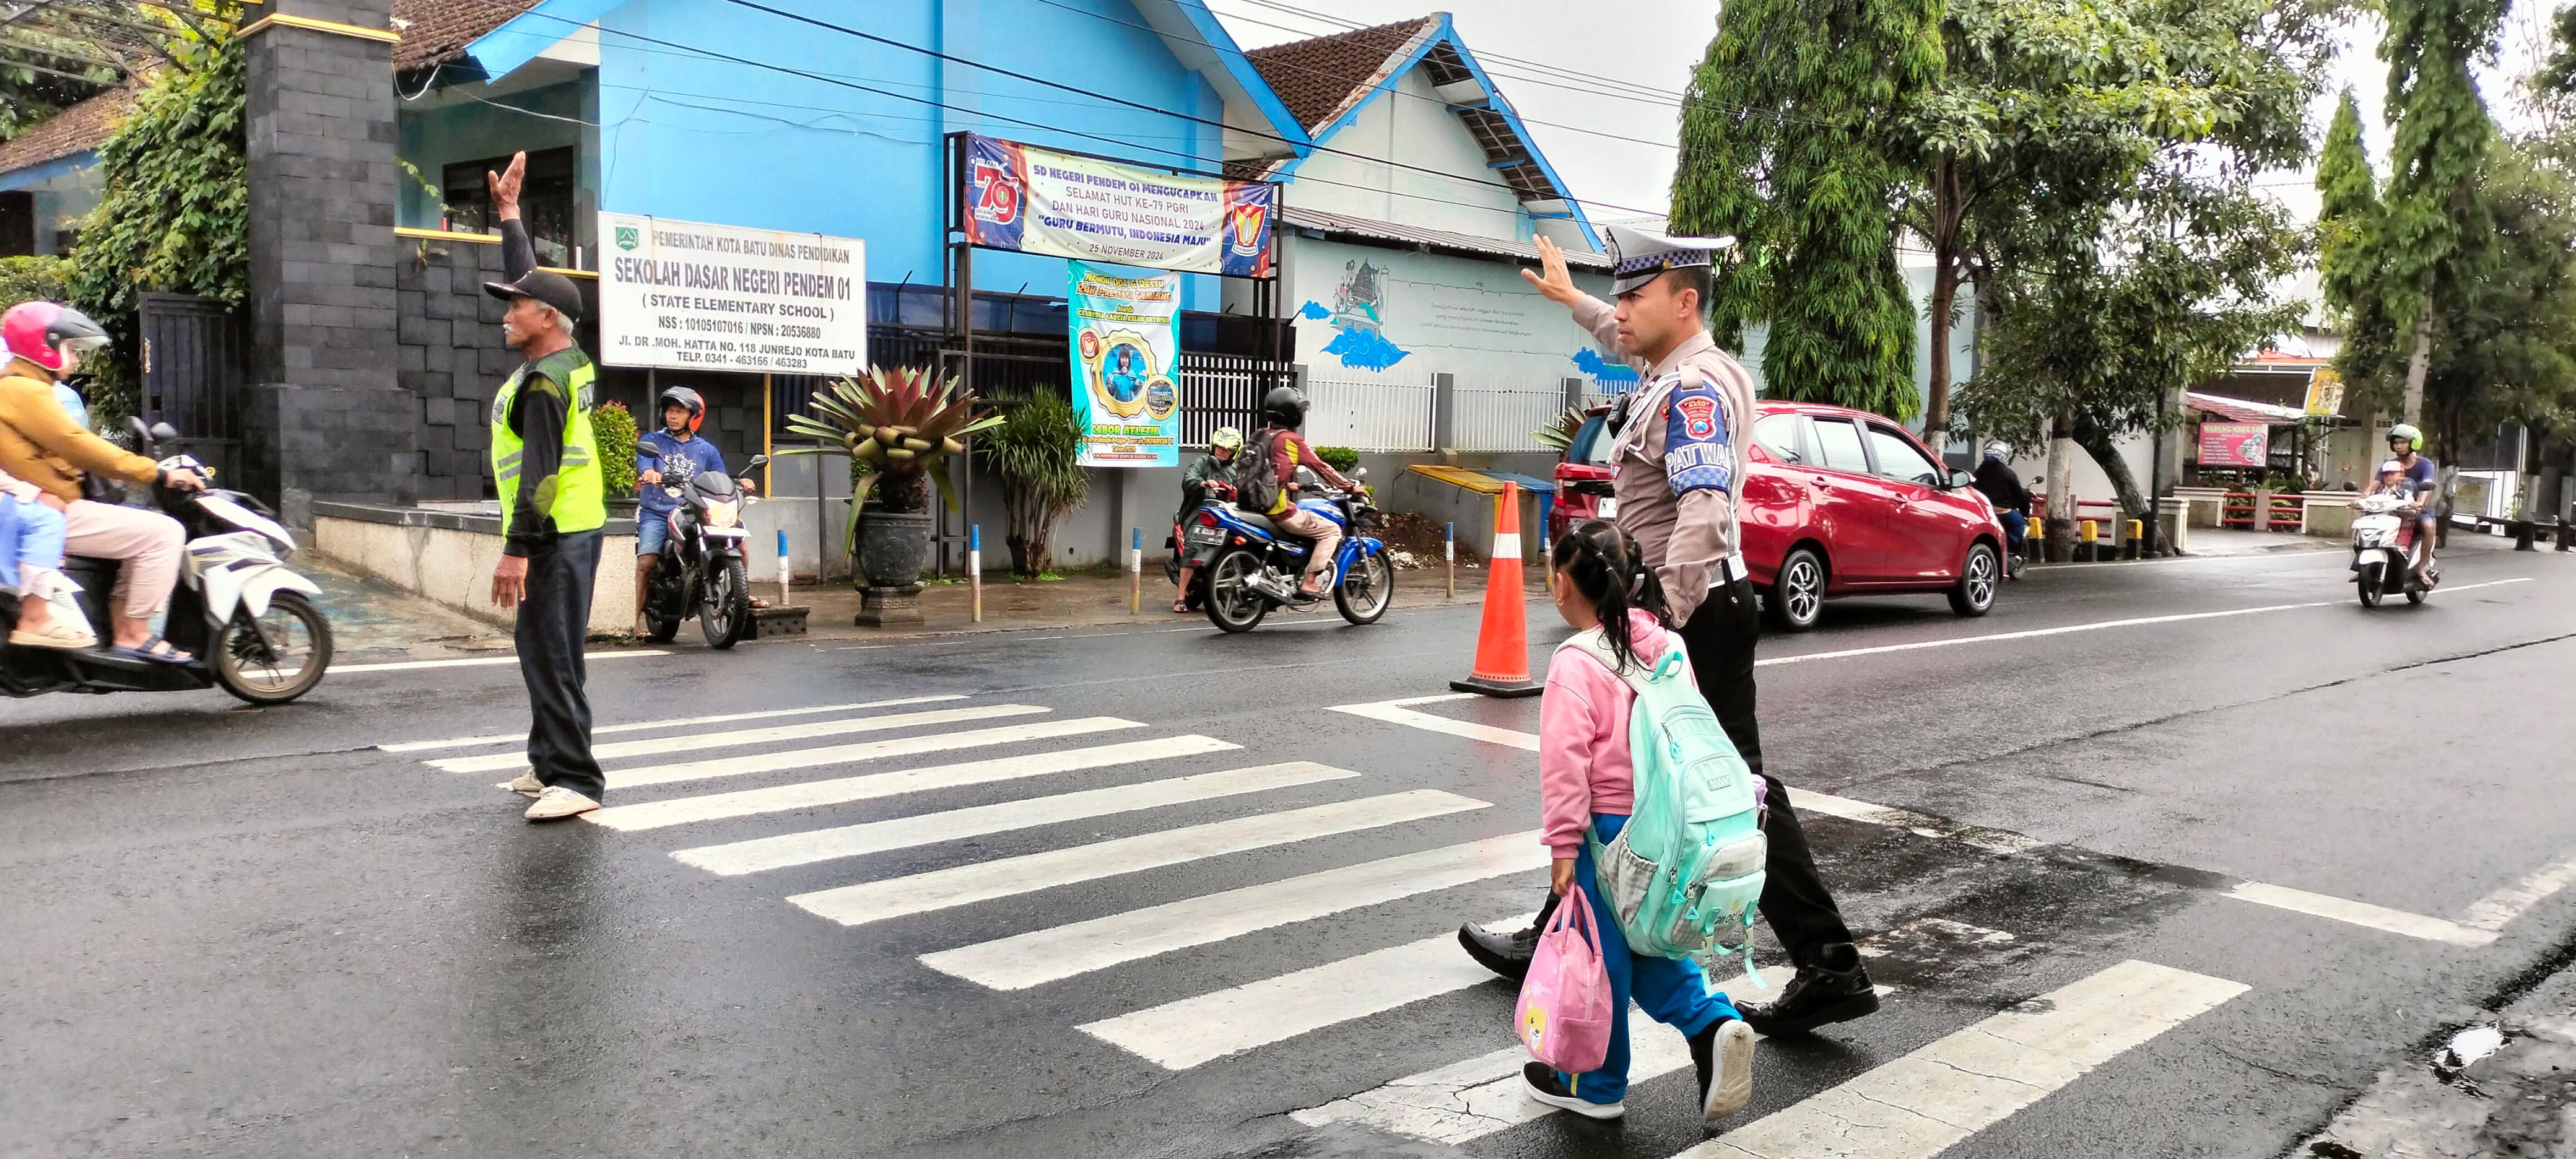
{"x": 241, "y": 613}
{"x": 2383, "y": 540}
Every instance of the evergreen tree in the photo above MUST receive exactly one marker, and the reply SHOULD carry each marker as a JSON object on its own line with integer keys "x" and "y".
{"x": 1794, "y": 140}
{"x": 2433, "y": 229}
{"x": 2348, "y": 210}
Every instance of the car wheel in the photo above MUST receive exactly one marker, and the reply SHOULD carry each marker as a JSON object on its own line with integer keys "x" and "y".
{"x": 1798, "y": 595}
{"x": 1974, "y": 594}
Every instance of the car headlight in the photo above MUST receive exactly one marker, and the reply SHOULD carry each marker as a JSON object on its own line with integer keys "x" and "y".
{"x": 723, "y": 514}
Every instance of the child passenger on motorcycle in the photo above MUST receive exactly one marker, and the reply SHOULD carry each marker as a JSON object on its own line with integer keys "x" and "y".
{"x": 31, "y": 561}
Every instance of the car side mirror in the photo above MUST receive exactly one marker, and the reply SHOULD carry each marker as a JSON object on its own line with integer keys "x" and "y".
{"x": 1960, "y": 480}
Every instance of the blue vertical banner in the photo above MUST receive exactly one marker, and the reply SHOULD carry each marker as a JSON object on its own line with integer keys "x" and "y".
{"x": 1126, "y": 367}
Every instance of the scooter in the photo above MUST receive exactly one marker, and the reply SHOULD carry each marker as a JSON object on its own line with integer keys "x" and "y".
{"x": 705, "y": 567}
{"x": 2383, "y": 539}
{"x": 1248, "y": 565}
{"x": 244, "y": 618}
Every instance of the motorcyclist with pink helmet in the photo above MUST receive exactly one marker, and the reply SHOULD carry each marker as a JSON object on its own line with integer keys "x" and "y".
{"x": 40, "y": 444}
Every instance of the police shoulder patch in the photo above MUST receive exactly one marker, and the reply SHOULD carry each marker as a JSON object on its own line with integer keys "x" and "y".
{"x": 1698, "y": 414}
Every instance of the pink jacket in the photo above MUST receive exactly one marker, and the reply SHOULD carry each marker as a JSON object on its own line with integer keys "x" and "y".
{"x": 1583, "y": 737}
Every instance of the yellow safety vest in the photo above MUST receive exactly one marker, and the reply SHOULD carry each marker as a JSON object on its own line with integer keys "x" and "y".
{"x": 577, "y": 497}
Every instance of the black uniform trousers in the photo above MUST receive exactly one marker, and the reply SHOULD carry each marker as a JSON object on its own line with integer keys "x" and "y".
{"x": 554, "y": 624}
{"x": 1720, "y": 638}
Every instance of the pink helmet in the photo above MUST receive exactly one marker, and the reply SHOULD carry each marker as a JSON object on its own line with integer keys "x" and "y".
{"x": 41, "y": 331}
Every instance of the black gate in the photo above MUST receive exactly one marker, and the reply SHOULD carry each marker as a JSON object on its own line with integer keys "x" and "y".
{"x": 192, "y": 376}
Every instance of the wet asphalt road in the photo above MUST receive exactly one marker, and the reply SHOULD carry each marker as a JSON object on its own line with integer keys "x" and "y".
{"x": 246, "y": 932}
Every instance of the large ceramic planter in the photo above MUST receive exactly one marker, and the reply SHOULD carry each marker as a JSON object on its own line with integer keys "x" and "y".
{"x": 893, "y": 548}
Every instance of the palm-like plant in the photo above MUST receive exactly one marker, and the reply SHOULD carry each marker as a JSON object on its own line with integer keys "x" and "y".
{"x": 1559, "y": 431}
{"x": 898, "y": 421}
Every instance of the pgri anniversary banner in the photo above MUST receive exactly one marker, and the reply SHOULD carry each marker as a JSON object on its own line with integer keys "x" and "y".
{"x": 685, "y": 295}
{"x": 1040, "y": 201}
{"x": 1126, "y": 377}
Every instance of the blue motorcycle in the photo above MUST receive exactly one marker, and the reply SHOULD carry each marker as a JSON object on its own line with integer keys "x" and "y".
{"x": 1247, "y": 565}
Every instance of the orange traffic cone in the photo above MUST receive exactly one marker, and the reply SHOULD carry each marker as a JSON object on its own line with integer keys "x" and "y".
{"x": 1502, "y": 644}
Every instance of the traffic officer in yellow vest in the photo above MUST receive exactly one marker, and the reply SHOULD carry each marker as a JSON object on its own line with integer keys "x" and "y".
{"x": 1678, "y": 458}
{"x": 554, "y": 501}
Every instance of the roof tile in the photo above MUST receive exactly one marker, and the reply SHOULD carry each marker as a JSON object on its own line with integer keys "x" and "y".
{"x": 437, "y": 31}
{"x": 76, "y": 129}
{"x": 1318, "y": 78}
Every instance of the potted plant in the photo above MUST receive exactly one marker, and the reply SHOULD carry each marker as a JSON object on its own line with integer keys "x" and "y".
{"x": 613, "y": 429}
{"x": 901, "y": 423}
{"x": 1036, "y": 459}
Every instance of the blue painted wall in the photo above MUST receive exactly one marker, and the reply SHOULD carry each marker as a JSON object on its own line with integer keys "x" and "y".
{"x": 843, "y": 150}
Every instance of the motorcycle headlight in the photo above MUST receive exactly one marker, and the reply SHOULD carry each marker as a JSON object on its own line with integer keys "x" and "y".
{"x": 722, "y": 514}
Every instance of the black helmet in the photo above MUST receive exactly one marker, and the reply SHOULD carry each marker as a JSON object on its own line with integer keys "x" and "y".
{"x": 1284, "y": 406}
{"x": 686, "y": 397}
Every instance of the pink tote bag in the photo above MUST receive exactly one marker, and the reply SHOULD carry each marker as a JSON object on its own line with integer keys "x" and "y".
{"x": 1563, "y": 1015}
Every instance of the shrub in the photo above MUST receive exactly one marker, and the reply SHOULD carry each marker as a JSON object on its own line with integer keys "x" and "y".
{"x": 1343, "y": 459}
{"x": 612, "y": 426}
{"x": 29, "y": 279}
{"x": 1036, "y": 457}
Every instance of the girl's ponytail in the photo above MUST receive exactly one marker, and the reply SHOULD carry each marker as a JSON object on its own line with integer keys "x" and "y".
{"x": 1606, "y": 566}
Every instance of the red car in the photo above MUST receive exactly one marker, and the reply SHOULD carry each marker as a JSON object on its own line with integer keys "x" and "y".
{"x": 1837, "y": 502}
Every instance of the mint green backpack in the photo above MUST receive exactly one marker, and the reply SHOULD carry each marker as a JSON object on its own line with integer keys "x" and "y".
{"x": 1685, "y": 874}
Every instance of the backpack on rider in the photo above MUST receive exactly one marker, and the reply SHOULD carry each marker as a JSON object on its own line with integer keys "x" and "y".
{"x": 1685, "y": 874}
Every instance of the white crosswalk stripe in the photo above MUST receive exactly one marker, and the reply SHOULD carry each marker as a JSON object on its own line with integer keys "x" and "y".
{"x": 504, "y": 762}
{"x": 905, "y": 832}
{"x": 904, "y": 746}
{"x": 1911, "y": 1108}
{"x": 875, "y": 901}
{"x": 844, "y": 790}
{"x": 1180, "y": 1035}
{"x": 1041, "y": 956}
{"x": 459, "y": 742}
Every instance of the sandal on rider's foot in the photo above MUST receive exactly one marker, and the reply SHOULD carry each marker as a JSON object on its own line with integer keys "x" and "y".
{"x": 54, "y": 634}
{"x": 1180, "y": 607}
{"x": 156, "y": 650}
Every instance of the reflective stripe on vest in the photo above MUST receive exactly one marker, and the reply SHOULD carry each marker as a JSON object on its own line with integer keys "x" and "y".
{"x": 576, "y": 499}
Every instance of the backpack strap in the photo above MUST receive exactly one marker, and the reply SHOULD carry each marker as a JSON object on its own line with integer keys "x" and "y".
{"x": 1591, "y": 643}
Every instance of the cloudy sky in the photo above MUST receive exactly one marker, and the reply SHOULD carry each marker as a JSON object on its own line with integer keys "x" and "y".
{"x": 1603, "y": 96}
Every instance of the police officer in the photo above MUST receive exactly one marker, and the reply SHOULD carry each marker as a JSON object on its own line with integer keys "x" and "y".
{"x": 554, "y": 501}
{"x": 1678, "y": 456}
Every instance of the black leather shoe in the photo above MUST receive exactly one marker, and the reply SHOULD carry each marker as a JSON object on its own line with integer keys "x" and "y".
{"x": 1504, "y": 954}
{"x": 1819, "y": 995}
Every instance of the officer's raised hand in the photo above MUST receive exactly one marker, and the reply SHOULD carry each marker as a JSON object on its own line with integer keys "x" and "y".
{"x": 1553, "y": 280}
{"x": 505, "y": 186}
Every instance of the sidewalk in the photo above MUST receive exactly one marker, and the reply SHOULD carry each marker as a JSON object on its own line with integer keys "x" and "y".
{"x": 1082, "y": 600}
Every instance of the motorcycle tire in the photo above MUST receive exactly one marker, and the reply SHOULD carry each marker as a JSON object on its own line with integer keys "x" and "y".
{"x": 1231, "y": 606}
{"x": 242, "y": 669}
{"x": 659, "y": 628}
{"x": 1364, "y": 595}
{"x": 2369, "y": 584}
{"x": 724, "y": 612}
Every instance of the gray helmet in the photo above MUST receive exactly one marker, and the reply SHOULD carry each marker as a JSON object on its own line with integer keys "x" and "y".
{"x": 683, "y": 396}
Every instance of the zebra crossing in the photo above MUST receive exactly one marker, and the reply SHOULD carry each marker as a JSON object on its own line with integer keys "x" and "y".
{"x": 802, "y": 783}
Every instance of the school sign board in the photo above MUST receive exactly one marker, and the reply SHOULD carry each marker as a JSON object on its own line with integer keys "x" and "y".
{"x": 1040, "y": 201}
{"x": 2235, "y": 444}
{"x": 1126, "y": 367}
{"x": 687, "y": 295}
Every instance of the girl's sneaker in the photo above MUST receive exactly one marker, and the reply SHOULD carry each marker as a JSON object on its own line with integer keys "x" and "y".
{"x": 1543, "y": 1085}
{"x": 1723, "y": 1055}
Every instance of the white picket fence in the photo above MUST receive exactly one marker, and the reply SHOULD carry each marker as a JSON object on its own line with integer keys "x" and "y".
{"x": 1370, "y": 412}
{"x": 1499, "y": 415}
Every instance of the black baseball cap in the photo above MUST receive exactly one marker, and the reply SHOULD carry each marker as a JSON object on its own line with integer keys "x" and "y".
{"x": 552, "y": 289}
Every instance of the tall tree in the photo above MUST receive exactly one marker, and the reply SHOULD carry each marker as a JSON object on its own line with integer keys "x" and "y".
{"x": 2432, "y": 224}
{"x": 2348, "y": 210}
{"x": 1794, "y": 140}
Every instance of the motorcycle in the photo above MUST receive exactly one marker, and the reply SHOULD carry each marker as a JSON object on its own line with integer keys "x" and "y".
{"x": 705, "y": 567}
{"x": 2383, "y": 539}
{"x": 1247, "y": 565}
{"x": 246, "y": 620}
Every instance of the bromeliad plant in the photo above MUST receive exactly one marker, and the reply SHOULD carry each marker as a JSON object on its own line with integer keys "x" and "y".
{"x": 1558, "y": 434}
{"x": 898, "y": 421}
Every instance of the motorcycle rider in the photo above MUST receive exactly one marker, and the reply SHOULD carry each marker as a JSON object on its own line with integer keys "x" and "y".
{"x": 2011, "y": 501}
{"x": 1284, "y": 409}
{"x": 683, "y": 456}
{"x": 40, "y": 444}
{"x": 2423, "y": 479}
{"x": 1217, "y": 465}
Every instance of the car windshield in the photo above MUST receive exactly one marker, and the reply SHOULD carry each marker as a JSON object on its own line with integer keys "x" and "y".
{"x": 1592, "y": 443}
